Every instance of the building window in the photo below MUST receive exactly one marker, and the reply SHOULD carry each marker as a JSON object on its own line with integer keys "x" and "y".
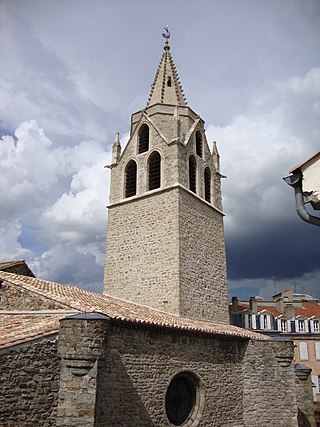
{"x": 192, "y": 174}
{"x": 169, "y": 82}
{"x": 154, "y": 171}
{"x": 317, "y": 349}
{"x": 184, "y": 399}
{"x": 131, "y": 179}
{"x": 265, "y": 322}
{"x": 303, "y": 350}
{"x": 143, "y": 139}
{"x": 283, "y": 325}
{"x": 247, "y": 321}
{"x": 300, "y": 325}
{"x": 198, "y": 143}
{"x": 207, "y": 184}
{"x": 316, "y": 326}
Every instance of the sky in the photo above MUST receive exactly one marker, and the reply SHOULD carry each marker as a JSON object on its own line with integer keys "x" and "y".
{"x": 73, "y": 71}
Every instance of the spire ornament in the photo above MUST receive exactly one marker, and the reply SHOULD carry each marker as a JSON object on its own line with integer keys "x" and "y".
{"x": 167, "y": 33}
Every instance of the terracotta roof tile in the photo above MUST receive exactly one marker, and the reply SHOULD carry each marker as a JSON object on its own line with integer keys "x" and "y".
{"x": 79, "y": 299}
{"x": 308, "y": 309}
{"x": 269, "y": 308}
{"x": 16, "y": 329}
{"x": 16, "y": 263}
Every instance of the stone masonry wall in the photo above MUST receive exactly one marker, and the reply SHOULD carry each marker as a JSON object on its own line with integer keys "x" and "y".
{"x": 269, "y": 385}
{"x": 140, "y": 363}
{"x": 81, "y": 345}
{"x": 203, "y": 275}
{"x": 142, "y": 258}
{"x": 15, "y": 298}
{"x": 306, "y": 416}
{"x": 29, "y": 384}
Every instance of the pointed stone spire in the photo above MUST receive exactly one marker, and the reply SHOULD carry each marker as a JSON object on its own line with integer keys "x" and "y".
{"x": 116, "y": 150}
{"x": 166, "y": 87}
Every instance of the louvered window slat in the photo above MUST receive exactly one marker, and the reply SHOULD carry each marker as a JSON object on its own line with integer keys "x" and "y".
{"x": 154, "y": 178}
{"x": 192, "y": 174}
{"x": 207, "y": 185}
{"x": 131, "y": 179}
{"x": 198, "y": 144}
{"x": 143, "y": 139}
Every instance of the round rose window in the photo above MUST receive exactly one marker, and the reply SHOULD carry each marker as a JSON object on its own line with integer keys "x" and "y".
{"x": 180, "y": 399}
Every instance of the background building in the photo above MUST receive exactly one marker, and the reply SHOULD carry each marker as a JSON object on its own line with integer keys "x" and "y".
{"x": 290, "y": 315}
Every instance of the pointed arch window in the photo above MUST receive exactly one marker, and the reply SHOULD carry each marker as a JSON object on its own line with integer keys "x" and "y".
{"x": 143, "y": 139}
{"x": 199, "y": 143}
{"x": 207, "y": 184}
{"x": 154, "y": 171}
{"x": 131, "y": 179}
{"x": 192, "y": 174}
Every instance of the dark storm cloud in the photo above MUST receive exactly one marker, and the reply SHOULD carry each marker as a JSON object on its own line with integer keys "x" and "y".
{"x": 286, "y": 249}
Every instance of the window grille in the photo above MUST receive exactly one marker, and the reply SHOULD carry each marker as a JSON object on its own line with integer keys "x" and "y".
{"x": 198, "y": 143}
{"x": 154, "y": 178}
{"x": 131, "y": 179}
{"x": 192, "y": 174}
{"x": 143, "y": 139}
{"x": 207, "y": 184}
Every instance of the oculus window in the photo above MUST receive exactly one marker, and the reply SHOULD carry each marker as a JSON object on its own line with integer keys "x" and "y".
{"x": 181, "y": 399}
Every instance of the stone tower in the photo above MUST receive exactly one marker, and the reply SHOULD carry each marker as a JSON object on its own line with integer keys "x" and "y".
{"x": 165, "y": 244}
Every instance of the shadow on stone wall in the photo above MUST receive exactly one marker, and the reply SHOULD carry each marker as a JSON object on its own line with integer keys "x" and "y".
{"x": 303, "y": 419}
{"x": 118, "y": 403}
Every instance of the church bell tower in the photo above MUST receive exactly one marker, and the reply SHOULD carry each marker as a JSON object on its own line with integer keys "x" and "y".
{"x": 165, "y": 239}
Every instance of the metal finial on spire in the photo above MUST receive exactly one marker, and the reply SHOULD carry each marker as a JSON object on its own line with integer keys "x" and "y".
{"x": 167, "y": 33}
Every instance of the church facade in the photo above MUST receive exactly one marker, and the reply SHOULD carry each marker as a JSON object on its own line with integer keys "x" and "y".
{"x": 156, "y": 349}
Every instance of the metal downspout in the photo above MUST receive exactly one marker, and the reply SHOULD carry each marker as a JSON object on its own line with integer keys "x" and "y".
{"x": 295, "y": 181}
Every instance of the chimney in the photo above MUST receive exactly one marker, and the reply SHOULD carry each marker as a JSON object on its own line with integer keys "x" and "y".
{"x": 280, "y": 305}
{"x": 253, "y": 305}
{"x": 289, "y": 310}
{"x": 235, "y": 307}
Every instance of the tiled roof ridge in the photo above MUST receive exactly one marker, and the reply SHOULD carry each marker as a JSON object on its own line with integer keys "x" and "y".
{"x": 14, "y": 281}
{"x": 16, "y": 330}
{"x": 71, "y": 288}
{"x": 121, "y": 310}
{"x": 12, "y": 262}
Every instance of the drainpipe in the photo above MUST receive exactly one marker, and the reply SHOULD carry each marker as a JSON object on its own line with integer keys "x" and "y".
{"x": 295, "y": 181}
